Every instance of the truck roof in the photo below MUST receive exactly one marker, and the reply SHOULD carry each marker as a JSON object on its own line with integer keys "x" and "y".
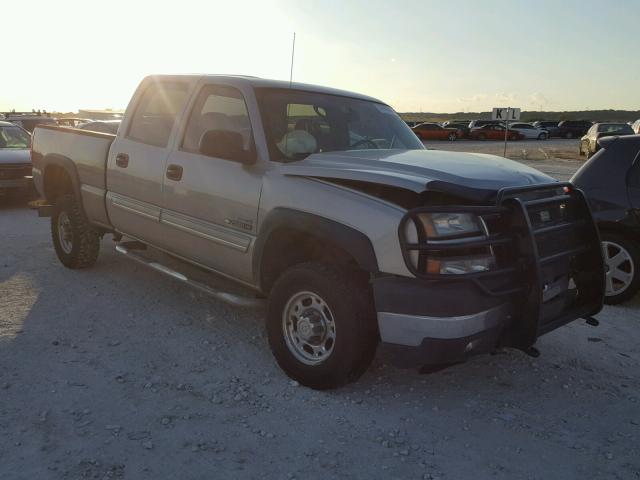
{"x": 257, "y": 82}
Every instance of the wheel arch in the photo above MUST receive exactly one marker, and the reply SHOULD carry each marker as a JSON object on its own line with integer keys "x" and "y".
{"x": 59, "y": 176}
{"x": 620, "y": 229}
{"x": 288, "y": 237}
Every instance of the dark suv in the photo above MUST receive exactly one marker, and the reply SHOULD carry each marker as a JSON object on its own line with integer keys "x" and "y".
{"x": 549, "y": 126}
{"x": 611, "y": 182}
{"x": 572, "y": 128}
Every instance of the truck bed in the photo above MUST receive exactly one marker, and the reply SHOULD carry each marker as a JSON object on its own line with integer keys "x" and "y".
{"x": 83, "y": 154}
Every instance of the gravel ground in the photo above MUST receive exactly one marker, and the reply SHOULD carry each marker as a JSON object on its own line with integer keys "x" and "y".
{"x": 556, "y": 156}
{"x": 118, "y": 372}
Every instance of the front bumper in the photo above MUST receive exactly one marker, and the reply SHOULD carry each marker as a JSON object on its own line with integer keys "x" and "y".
{"x": 436, "y": 322}
{"x": 15, "y": 176}
{"x": 16, "y": 183}
{"x": 549, "y": 272}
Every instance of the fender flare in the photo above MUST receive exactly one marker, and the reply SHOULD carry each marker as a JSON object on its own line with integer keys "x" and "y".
{"x": 54, "y": 159}
{"x": 352, "y": 241}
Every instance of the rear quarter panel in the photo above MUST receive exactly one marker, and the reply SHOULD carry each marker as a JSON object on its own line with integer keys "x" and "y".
{"x": 83, "y": 154}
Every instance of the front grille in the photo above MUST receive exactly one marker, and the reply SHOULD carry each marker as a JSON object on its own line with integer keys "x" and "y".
{"x": 547, "y": 253}
{"x": 14, "y": 172}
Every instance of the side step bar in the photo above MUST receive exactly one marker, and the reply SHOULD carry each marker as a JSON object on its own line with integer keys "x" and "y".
{"x": 230, "y": 298}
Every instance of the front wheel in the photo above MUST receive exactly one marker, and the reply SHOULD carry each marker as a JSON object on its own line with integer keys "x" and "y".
{"x": 75, "y": 241}
{"x": 452, "y": 137}
{"x": 542, "y": 136}
{"x": 621, "y": 257}
{"x": 321, "y": 325}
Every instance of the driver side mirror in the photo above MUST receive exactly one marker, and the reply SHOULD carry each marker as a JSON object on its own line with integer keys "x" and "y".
{"x": 225, "y": 144}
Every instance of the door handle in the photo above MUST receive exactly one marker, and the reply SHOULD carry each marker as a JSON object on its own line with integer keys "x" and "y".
{"x": 122, "y": 160}
{"x": 174, "y": 172}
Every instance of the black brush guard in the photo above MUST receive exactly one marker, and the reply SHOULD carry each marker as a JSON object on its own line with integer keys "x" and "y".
{"x": 547, "y": 248}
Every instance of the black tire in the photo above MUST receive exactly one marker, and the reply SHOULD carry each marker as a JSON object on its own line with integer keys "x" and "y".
{"x": 482, "y": 136}
{"x": 616, "y": 240}
{"x": 542, "y": 136}
{"x": 84, "y": 240}
{"x": 568, "y": 135}
{"x": 350, "y": 303}
{"x": 452, "y": 137}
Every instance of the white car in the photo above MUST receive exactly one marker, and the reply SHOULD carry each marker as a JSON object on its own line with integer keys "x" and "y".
{"x": 530, "y": 131}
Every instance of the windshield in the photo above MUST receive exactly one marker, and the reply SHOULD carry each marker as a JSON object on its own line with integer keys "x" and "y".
{"x": 14, "y": 137}
{"x": 299, "y": 123}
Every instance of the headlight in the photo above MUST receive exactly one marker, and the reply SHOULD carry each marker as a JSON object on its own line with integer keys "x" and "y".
{"x": 440, "y": 227}
{"x": 451, "y": 224}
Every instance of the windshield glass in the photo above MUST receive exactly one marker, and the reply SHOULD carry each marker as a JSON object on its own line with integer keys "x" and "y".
{"x": 299, "y": 123}
{"x": 14, "y": 137}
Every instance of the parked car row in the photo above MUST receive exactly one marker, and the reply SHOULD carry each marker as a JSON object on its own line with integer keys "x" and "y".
{"x": 479, "y": 130}
{"x": 566, "y": 128}
{"x": 29, "y": 120}
{"x": 540, "y": 130}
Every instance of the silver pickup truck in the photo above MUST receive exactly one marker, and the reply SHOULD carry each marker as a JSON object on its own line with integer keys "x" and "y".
{"x": 326, "y": 205}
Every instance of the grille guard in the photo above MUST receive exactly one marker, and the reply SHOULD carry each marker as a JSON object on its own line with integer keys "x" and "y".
{"x": 532, "y": 315}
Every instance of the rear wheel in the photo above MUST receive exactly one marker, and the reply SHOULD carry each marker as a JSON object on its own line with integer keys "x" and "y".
{"x": 482, "y": 136}
{"x": 587, "y": 150}
{"x": 621, "y": 256}
{"x": 321, "y": 325}
{"x": 568, "y": 135}
{"x": 542, "y": 136}
{"x": 452, "y": 137}
{"x": 75, "y": 241}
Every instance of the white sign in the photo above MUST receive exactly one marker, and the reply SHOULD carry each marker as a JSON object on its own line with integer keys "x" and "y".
{"x": 505, "y": 114}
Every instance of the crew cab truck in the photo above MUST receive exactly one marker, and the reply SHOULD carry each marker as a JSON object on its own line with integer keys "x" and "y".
{"x": 326, "y": 206}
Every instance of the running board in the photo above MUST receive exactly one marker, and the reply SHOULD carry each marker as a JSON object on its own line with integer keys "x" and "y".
{"x": 230, "y": 298}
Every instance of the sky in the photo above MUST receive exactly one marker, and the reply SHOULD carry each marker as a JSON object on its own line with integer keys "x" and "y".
{"x": 426, "y": 55}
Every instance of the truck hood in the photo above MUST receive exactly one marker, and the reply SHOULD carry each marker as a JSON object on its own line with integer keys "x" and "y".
{"x": 477, "y": 177}
{"x": 15, "y": 155}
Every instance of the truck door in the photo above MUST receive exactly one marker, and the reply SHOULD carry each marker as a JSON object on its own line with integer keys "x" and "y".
{"x": 135, "y": 167}
{"x": 211, "y": 203}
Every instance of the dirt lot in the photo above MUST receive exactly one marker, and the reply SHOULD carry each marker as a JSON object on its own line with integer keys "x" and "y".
{"x": 557, "y": 157}
{"x": 117, "y": 372}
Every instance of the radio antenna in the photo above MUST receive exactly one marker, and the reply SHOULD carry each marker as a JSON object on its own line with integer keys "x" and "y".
{"x": 293, "y": 51}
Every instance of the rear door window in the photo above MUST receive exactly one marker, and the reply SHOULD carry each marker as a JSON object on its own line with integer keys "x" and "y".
{"x": 156, "y": 112}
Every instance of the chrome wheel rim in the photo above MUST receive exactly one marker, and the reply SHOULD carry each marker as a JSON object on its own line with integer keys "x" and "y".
{"x": 65, "y": 232}
{"x": 309, "y": 328}
{"x": 619, "y": 268}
